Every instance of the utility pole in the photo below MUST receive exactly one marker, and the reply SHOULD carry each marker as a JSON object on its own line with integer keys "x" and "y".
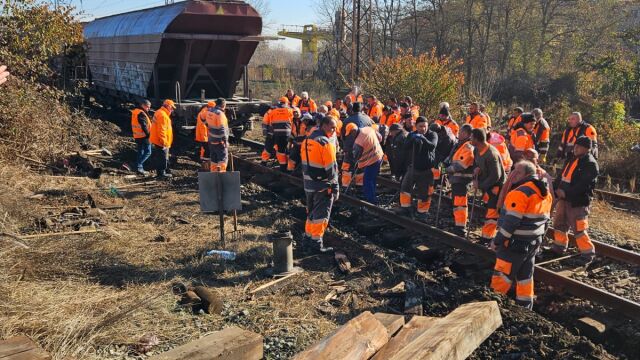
{"x": 354, "y": 37}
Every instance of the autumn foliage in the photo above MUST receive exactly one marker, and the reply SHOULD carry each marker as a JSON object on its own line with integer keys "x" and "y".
{"x": 427, "y": 78}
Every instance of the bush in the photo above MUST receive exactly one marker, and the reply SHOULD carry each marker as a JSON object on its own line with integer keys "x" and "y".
{"x": 427, "y": 78}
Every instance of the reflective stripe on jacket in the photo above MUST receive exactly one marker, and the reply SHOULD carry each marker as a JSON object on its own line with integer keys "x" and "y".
{"x": 319, "y": 164}
{"x": 218, "y": 126}
{"x": 281, "y": 118}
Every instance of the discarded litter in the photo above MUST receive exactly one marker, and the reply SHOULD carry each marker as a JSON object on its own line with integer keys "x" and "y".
{"x": 222, "y": 254}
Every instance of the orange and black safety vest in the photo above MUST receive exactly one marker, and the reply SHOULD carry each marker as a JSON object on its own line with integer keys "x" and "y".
{"x": 570, "y": 135}
{"x": 280, "y": 119}
{"x": 319, "y": 163}
{"x": 136, "y": 128}
{"x": 452, "y": 125}
{"x": 477, "y": 121}
{"x": 542, "y": 133}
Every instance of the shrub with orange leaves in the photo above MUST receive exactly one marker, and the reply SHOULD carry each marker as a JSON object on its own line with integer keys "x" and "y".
{"x": 427, "y": 78}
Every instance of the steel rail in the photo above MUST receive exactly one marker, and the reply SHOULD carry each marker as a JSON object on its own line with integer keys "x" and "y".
{"x": 559, "y": 282}
{"x": 603, "y": 249}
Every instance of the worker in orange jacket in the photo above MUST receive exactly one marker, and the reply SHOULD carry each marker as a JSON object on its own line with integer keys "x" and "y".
{"x": 522, "y": 226}
{"x": 299, "y": 132}
{"x": 162, "y": 137}
{"x": 292, "y": 98}
{"x": 483, "y": 111}
{"x": 413, "y": 108}
{"x": 307, "y": 105}
{"x": 575, "y": 129}
{"x": 202, "y": 135}
{"x": 218, "y": 128}
{"x": 141, "y": 128}
{"x": 368, "y": 154}
{"x": 475, "y": 118}
{"x": 269, "y": 151}
{"x": 460, "y": 172}
{"x": 281, "y": 118}
{"x": 516, "y": 117}
{"x": 542, "y": 134}
{"x": 444, "y": 119}
{"x": 320, "y": 177}
{"x": 498, "y": 141}
{"x": 374, "y": 108}
{"x": 354, "y": 96}
{"x": 523, "y": 137}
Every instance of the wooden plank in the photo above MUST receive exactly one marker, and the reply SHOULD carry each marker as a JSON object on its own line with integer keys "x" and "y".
{"x": 21, "y": 348}
{"x": 392, "y": 322}
{"x": 231, "y": 343}
{"x": 457, "y": 335}
{"x": 358, "y": 339}
{"x": 271, "y": 286}
{"x": 409, "y": 332}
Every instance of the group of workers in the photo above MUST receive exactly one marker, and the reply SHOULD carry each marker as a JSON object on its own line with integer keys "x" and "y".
{"x": 340, "y": 145}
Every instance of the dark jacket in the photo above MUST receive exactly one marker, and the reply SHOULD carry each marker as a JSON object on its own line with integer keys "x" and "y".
{"x": 492, "y": 172}
{"x": 446, "y": 143}
{"x": 394, "y": 149}
{"x": 579, "y": 191}
{"x": 423, "y": 148}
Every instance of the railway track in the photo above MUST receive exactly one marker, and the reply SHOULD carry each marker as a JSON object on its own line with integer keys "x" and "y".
{"x": 559, "y": 280}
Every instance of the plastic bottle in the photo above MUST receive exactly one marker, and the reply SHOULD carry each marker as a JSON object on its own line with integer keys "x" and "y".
{"x": 222, "y": 254}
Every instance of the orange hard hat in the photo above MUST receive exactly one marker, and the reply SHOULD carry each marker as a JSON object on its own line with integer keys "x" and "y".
{"x": 169, "y": 103}
{"x": 211, "y": 104}
{"x": 328, "y": 104}
{"x": 284, "y": 100}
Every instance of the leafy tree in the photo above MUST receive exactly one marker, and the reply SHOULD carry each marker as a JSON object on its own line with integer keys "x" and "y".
{"x": 34, "y": 37}
{"x": 427, "y": 78}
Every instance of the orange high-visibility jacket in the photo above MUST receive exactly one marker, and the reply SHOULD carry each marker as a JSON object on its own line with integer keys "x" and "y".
{"x": 202, "y": 133}
{"x": 366, "y": 149}
{"x": 543, "y": 135}
{"x": 308, "y": 106}
{"x": 570, "y": 135}
{"x": 334, "y": 113}
{"x": 511, "y": 124}
{"x": 375, "y": 110}
{"x": 522, "y": 140}
{"x": 353, "y": 98}
{"x": 319, "y": 163}
{"x": 462, "y": 163}
{"x": 477, "y": 121}
{"x": 218, "y": 126}
{"x": 502, "y": 148}
{"x": 390, "y": 119}
{"x": 161, "y": 129}
{"x": 293, "y": 101}
{"x": 281, "y": 119}
{"x": 136, "y": 127}
{"x": 451, "y": 124}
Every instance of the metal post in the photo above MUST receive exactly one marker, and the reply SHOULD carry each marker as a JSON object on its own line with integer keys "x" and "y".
{"x": 245, "y": 82}
{"x": 221, "y": 210}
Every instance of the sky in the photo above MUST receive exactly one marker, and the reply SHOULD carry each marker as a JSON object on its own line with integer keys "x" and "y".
{"x": 282, "y": 12}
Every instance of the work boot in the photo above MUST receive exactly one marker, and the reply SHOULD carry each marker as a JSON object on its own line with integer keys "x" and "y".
{"x": 560, "y": 250}
{"x": 402, "y": 211}
{"x": 460, "y": 231}
{"x": 585, "y": 260}
{"x": 164, "y": 175}
{"x": 142, "y": 172}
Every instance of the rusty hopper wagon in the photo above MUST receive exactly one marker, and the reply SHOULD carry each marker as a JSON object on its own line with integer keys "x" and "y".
{"x": 190, "y": 51}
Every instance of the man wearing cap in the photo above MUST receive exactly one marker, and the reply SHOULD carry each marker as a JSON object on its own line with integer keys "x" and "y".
{"x": 281, "y": 119}
{"x": 444, "y": 119}
{"x": 574, "y": 190}
{"x": 522, "y": 137}
{"x": 218, "y": 128}
{"x": 513, "y": 121}
{"x": 162, "y": 137}
{"x": 306, "y": 104}
{"x": 202, "y": 135}
{"x": 141, "y": 128}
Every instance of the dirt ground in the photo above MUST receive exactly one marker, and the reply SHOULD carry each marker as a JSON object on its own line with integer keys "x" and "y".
{"x": 98, "y": 294}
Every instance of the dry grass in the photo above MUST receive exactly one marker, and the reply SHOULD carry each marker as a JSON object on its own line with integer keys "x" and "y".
{"x": 621, "y": 224}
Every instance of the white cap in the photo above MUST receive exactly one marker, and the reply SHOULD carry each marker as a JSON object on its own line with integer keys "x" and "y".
{"x": 304, "y": 94}
{"x": 444, "y": 104}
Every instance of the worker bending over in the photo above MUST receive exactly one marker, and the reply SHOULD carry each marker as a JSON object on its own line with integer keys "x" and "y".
{"x": 522, "y": 226}
{"x": 356, "y": 121}
{"x": 141, "y": 128}
{"x": 320, "y": 175}
{"x": 162, "y": 138}
{"x": 202, "y": 135}
{"x": 368, "y": 154}
{"x": 489, "y": 176}
{"x": 574, "y": 190}
{"x": 419, "y": 153}
{"x": 218, "y": 126}
{"x": 460, "y": 171}
{"x": 281, "y": 118}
